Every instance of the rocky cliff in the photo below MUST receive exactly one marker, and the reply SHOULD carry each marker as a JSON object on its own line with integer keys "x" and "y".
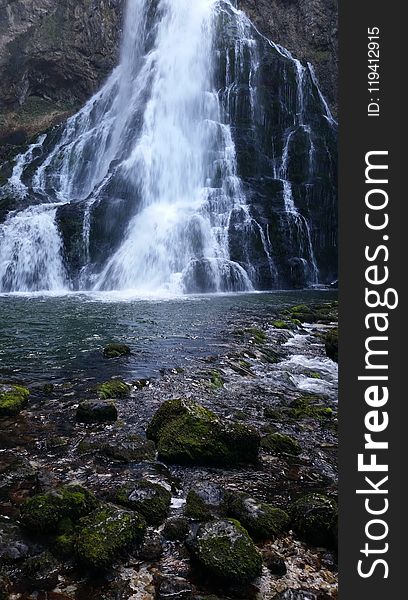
{"x": 54, "y": 55}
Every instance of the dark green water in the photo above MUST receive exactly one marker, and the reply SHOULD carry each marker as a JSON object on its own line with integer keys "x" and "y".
{"x": 52, "y": 339}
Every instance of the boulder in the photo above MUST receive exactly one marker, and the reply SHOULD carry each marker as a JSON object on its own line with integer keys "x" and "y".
{"x": 95, "y": 411}
{"x": 13, "y": 398}
{"x": 314, "y": 519}
{"x": 47, "y": 513}
{"x": 149, "y": 499}
{"x": 224, "y": 550}
{"x": 278, "y": 443}
{"x": 115, "y": 388}
{"x": 187, "y": 433}
{"x": 105, "y": 534}
{"x": 115, "y": 350}
{"x": 262, "y": 520}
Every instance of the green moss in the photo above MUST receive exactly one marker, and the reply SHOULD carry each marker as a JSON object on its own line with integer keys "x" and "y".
{"x": 187, "y": 433}
{"x": 149, "y": 499}
{"x": 275, "y": 414}
{"x": 225, "y": 551}
{"x": 13, "y": 398}
{"x": 116, "y": 350}
{"x": 196, "y": 508}
{"x": 216, "y": 381}
{"x": 50, "y": 512}
{"x": 280, "y": 324}
{"x": 105, "y": 534}
{"x": 314, "y": 519}
{"x": 258, "y": 335}
{"x": 262, "y": 520}
{"x": 305, "y": 408}
{"x": 64, "y": 545}
{"x": 278, "y": 443}
{"x": 115, "y": 388}
{"x": 314, "y": 375}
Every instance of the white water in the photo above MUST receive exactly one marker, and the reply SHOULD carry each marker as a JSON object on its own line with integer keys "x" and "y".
{"x": 157, "y": 135}
{"x": 30, "y": 257}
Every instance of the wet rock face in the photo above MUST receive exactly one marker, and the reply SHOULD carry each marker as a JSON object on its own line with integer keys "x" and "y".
{"x": 53, "y": 57}
{"x": 308, "y": 28}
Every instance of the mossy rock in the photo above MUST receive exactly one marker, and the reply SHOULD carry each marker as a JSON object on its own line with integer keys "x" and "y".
{"x": 216, "y": 380}
{"x": 331, "y": 344}
{"x": 106, "y": 534}
{"x": 96, "y": 411}
{"x": 13, "y": 398}
{"x": 262, "y": 520}
{"x": 257, "y": 335}
{"x": 196, "y": 508}
{"x": 278, "y": 443}
{"x": 224, "y": 550}
{"x": 46, "y": 513}
{"x": 116, "y": 350}
{"x": 115, "y": 388}
{"x": 187, "y": 433}
{"x": 314, "y": 519}
{"x": 306, "y": 407}
{"x": 279, "y": 324}
{"x": 64, "y": 545}
{"x": 149, "y": 499}
{"x": 176, "y": 529}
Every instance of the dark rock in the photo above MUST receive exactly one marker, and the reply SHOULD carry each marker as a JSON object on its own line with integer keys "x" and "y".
{"x": 196, "y": 508}
{"x": 13, "y": 398}
{"x": 116, "y": 350}
{"x": 45, "y": 513}
{"x": 314, "y": 519}
{"x": 262, "y": 520}
{"x": 277, "y": 443}
{"x": 176, "y": 529}
{"x": 149, "y": 499}
{"x": 18, "y": 478}
{"x": 133, "y": 448}
{"x": 106, "y": 534}
{"x": 13, "y": 545}
{"x": 223, "y": 549}
{"x": 42, "y": 571}
{"x": 331, "y": 344}
{"x": 115, "y": 388}
{"x": 94, "y": 411}
{"x": 275, "y": 563}
{"x": 187, "y": 433}
{"x": 151, "y": 548}
{"x": 297, "y": 595}
{"x": 170, "y": 587}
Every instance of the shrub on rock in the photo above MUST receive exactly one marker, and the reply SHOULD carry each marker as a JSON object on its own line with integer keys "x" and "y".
{"x": 13, "y": 398}
{"x": 314, "y": 519}
{"x": 188, "y": 433}
{"x": 105, "y": 534}
{"x": 94, "y": 411}
{"x": 224, "y": 550}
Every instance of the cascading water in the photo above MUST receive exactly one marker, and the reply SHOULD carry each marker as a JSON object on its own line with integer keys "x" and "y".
{"x": 148, "y": 187}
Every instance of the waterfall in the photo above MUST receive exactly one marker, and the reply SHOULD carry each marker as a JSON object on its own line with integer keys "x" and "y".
{"x": 152, "y": 166}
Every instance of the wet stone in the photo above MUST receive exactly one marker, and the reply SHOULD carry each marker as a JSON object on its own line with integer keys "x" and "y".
{"x": 96, "y": 412}
{"x": 169, "y": 587}
{"x": 115, "y": 350}
{"x": 42, "y": 571}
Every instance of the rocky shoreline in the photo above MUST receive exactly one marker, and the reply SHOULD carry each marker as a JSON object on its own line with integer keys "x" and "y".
{"x": 217, "y": 480}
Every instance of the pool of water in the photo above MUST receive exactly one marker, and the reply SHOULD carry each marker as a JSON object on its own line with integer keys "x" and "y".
{"x": 55, "y": 338}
